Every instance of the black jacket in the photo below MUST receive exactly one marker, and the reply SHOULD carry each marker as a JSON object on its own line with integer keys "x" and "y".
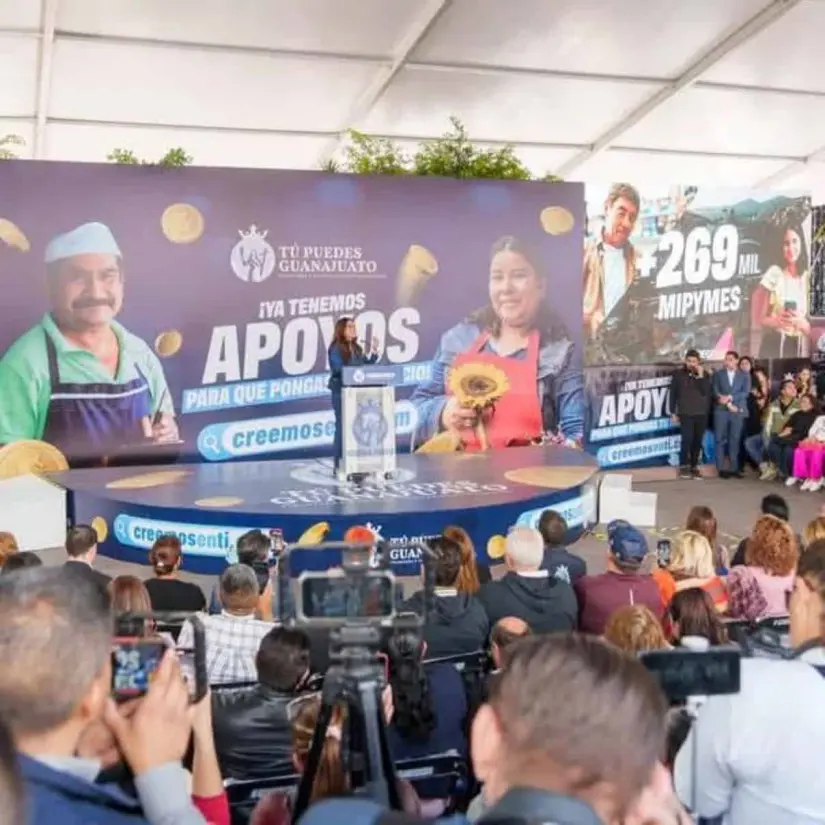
{"x": 86, "y": 571}
{"x": 457, "y": 623}
{"x": 562, "y": 564}
{"x": 546, "y": 603}
{"x": 689, "y": 395}
{"x": 253, "y": 735}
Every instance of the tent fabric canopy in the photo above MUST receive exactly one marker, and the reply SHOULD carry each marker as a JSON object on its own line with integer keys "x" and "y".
{"x": 719, "y": 92}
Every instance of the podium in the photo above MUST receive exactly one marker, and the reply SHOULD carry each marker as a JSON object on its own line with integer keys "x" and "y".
{"x": 368, "y": 420}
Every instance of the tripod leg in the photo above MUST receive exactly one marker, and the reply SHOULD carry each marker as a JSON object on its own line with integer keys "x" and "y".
{"x": 382, "y": 782}
{"x": 329, "y": 698}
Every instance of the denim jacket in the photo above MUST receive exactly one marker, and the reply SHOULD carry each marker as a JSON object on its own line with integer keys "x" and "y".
{"x": 560, "y": 385}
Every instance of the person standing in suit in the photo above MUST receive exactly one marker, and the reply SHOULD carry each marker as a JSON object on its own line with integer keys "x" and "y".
{"x": 81, "y": 549}
{"x": 731, "y": 387}
{"x": 345, "y": 351}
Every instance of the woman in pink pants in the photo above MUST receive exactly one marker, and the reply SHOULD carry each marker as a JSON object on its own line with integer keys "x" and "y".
{"x": 809, "y": 458}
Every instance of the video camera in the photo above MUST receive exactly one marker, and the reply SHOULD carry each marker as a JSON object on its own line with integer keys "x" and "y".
{"x": 358, "y": 602}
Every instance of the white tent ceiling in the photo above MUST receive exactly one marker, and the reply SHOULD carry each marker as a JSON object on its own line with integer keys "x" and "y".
{"x": 723, "y": 92}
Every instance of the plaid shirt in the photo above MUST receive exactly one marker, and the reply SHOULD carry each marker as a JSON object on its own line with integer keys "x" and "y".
{"x": 232, "y": 644}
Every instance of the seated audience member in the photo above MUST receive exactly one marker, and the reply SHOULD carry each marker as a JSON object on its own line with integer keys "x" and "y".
{"x": 252, "y": 726}
{"x": 429, "y": 707}
{"x": 167, "y": 591}
{"x": 81, "y": 547}
{"x": 771, "y": 505}
{"x": 331, "y": 780}
{"x": 572, "y": 723}
{"x": 691, "y": 565}
{"x": 634, "y": 629}
{"x": 253, "y": 549}
{"x": 505, "y": 633}
{"x": 702, "y": 520}
{"x": 776, "y": 418}
{"x": 128, "y": 595}
{"x": 762, "y": 587}
{"x": 457, "y": 622}
{"x": 809, "y": 455}
{"x": 472, "y": 573}
{"x": 814, "y": 530}
{"x": 59, "y": 687}
{"x": 234, "y": 636}
{"x": 12, "y": 793}
{"x": 546, "y": 603}
{"x": 692, "y": 612}
{"x": 20, "y": 561}
{"x": 623, "y": 583}
{"x": 8, "y": 546}
{"x": 558, "y": 560}
{"x": 781, "y": 447}
{"x": 760, "y": 751}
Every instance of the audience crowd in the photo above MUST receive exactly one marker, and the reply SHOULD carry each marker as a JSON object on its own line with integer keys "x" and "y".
{"x": 532, "y": 680}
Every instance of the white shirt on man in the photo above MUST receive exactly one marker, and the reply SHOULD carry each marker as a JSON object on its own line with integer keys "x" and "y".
{"x": 615, "y": 277}
{"x": 761, "y": 751}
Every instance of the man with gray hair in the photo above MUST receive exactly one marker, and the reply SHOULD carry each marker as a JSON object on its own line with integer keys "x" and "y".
{"x": 55, "y": 643}
{"x": 234, "y": 635}
{"x": 526, "y": 591}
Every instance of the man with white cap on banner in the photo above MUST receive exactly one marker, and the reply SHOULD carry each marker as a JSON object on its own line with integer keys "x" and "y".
{"x": 78, "y": 379}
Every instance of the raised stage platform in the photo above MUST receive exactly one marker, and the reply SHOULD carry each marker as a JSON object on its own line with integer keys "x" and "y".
{"x": 209, "y": 505}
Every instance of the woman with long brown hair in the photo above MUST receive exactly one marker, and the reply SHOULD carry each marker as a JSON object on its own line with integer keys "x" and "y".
{"x": 469, "y": 576}
{"x": 702, "y": 520}
{"x": 345, "y": 351}
{"x": 692, "y": 612}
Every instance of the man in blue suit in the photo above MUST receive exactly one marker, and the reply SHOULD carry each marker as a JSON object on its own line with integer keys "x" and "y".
{"x": 731, "y": 387}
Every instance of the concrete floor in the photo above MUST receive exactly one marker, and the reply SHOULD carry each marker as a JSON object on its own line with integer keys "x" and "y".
{"x": 735, "y": 503}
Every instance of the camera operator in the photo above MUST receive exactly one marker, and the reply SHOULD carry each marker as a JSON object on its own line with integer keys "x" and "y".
{"x": 760, "y": 752}
{"x": 58, "y": 635}
{"x": 573, "y": 733}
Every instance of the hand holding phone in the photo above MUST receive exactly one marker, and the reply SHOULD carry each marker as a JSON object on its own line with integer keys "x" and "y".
{"x": 159, "y": 730}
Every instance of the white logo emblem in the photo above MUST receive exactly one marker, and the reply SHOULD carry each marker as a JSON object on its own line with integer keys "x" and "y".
{"x": 562, "y": 573}
{"x": 252, "y": 258}
{"x": 358, "y": 376}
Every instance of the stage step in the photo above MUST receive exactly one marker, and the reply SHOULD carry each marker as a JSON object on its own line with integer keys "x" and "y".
{"x": 34, "y": 510}
{"x": 617, "y": 500}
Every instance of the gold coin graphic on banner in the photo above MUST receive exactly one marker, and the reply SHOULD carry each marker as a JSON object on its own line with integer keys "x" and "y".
{"x": 182, "y": 223}
{"x": 162, "y": 478}
{"x": 314, "y": 535}
{"x": 22, "y": 457}
{"x": 100, "y": 527}
{"x": 168, "y": 343}
{"x": 556, "y": 220}
{"x": 551, "y": 477}
{"x": 496, "y": 547}
{"x": 12, "y": 235}
{"x": 219, "y": 501}
{"x": 417, "y": 267}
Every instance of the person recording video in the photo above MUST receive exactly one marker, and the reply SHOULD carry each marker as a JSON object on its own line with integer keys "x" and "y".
{"x": 345, "y": 351}
{"x": 689, "y": 405}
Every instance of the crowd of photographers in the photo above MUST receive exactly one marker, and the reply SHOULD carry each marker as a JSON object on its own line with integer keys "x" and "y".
{"x": 536, "y": 687}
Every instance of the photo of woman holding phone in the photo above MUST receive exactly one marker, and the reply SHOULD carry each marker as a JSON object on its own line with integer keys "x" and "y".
{"x": 779, "y": 305}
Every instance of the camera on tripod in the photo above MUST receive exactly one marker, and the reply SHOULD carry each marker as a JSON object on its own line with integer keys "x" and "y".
{"x": 358, "y": 602}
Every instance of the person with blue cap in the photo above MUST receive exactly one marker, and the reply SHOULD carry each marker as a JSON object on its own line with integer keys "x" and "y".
{"x": 78, "y": 379}
{"x": 628, "y": 580}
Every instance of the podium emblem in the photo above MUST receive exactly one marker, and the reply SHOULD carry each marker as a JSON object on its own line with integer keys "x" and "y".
{"x": 370, "y": 426}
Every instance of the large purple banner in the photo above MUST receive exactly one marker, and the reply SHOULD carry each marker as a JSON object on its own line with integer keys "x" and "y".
{"x": 186, "y": 314}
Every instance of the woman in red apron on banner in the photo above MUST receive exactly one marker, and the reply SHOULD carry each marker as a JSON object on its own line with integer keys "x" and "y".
{"x": 508, "y": 374}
